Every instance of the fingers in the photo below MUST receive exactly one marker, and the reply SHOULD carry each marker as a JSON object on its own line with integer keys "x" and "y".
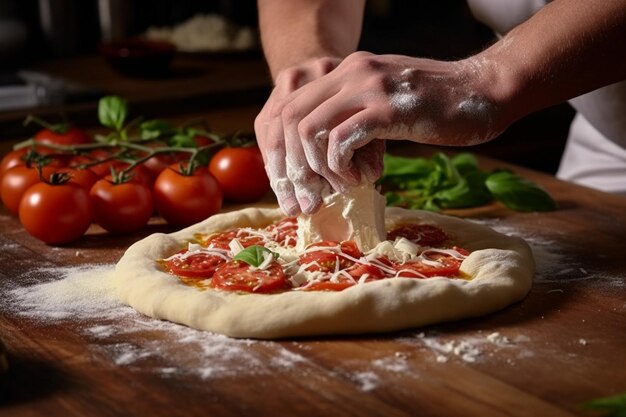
{"x": 313, "y": 131}
{"x": 352, "y": 145}
{"x": 309, "y": 186}
{"x": 271, "y": 142}
{"x": 369, "y": 160}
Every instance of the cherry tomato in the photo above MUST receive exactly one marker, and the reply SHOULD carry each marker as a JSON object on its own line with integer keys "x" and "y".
{"x": 449, "y": 267}
{"x": 16, "y": 181}
{"x": 183, "y": 200}
{"x": 57, "y": 214}
{"x": 68, "y": 136}
{"x": 200, "y": 265}
{"x": 202, "y": 141}
{"x": 160, "y": 161}
{"x": 325, "y": 260}
{"x": 11, "y": 159}
{"x": 422, "y": 234}
{"x": 340, "y": 284}
{"x": 98, "y": 160}
{"x": 19, "y": 157}
{"x": 83, "y": 177}
{"x": 139, "y": 173}
{"x": 240, "y": 173}
{"x": 237, "y": 276}
{"x": 121, "y": 208}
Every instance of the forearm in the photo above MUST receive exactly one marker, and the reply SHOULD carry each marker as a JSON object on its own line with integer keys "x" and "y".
{"x": 296, "y": 30}
{"x": 566, "y": 49}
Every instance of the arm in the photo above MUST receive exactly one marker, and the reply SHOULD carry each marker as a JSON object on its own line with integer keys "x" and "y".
{"x": 567, "y": 48}
{"x": 295, "y": 31}
{"x": 303, "y": 40}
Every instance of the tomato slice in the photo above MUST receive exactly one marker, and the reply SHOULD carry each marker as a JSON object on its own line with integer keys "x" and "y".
{"x": 200, "y": 265}
{"x": 422, "y": 234}
{"x": 222, "y": 240}
{"x": 358, "y": 270}
{"x": 340, "y": 284}
{"x": 449, "y": 266}
{"x": 285, "y": 231}
{"x": 238, "y": 276}
{"x": 326, "y": 259}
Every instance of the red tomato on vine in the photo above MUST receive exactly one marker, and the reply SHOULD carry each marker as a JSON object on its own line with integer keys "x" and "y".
{"x": 56, "y": 213}
{"x": 16, "y": 181}
{"x": 120, "y": 205}
{"x": 185, "y": 195}
{"x": 240, "y": 172}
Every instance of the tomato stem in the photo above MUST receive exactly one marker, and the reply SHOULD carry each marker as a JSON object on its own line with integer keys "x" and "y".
{"x": 56, "y": 128}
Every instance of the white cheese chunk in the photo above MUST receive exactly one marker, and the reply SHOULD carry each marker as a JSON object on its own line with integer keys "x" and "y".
{"x": 358, "y": 215}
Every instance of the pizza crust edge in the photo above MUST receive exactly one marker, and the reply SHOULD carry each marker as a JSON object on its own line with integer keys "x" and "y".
{"x": 501, "y": 277}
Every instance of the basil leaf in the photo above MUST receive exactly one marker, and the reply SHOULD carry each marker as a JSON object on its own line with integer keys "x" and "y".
{"x": 615, "y": 405}
{"x": 519, "y": 193}
{"x": 152, "y": 129}
{"x": 112, "y": 112}
{"x": 182, "y": 140}
{"x": 470, "y": 191}
{"x": 465, "y": 163}
{"x": 448, "y": 170}
{"x": 254, "y": 255}
{"x": 397, "y": 165}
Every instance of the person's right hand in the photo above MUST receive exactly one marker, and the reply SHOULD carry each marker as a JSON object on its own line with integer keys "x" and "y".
{"x": 272, "y": 141}
{"x": 331, "y": 130}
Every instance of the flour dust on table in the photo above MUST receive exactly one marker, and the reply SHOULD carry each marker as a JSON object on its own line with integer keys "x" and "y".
{"x": 83, "y": 299}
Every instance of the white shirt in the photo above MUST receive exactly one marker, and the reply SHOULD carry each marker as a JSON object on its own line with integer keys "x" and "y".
{"x": 595, "y": 154}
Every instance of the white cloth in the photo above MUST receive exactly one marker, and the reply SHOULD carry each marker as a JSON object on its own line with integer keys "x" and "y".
{"x": 595, "y": 154}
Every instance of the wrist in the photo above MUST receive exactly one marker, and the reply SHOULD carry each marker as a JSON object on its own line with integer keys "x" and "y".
{"x": 321, "y": 59}
{"x": 498, "y": 84}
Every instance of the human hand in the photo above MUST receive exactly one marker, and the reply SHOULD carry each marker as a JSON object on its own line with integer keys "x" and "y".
{"x": 271, "y": 136}
{"x": 329, "y": 125}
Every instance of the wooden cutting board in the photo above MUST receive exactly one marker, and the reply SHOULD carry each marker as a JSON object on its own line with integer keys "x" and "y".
{"x": 563, "y": 345}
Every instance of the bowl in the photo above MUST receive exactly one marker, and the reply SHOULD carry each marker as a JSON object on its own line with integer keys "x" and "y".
{"x": 139, "y": 57}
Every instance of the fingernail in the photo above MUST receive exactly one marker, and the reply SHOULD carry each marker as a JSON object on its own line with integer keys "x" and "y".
{"x": 290, "y": 206}
{"x": 309, "y": 206}
{"x": 305, "y": 203}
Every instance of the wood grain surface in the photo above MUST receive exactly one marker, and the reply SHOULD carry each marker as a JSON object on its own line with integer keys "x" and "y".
{"x": 565, "y": 343}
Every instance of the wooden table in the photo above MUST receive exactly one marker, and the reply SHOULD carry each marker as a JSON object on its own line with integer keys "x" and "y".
{"x": 565, "y": 343}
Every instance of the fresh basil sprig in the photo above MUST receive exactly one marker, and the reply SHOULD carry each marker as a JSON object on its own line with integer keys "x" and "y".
{"x": 615, "y": 406}
{"x": 519, "y": 193}
{"x": 112, "y": 112}
{"x": 254, "y": 255}
{"x": 442, "y": 182}
{"x": 155, "y": 128}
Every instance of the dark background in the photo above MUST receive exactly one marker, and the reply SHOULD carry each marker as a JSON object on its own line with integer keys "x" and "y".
{"x": 444, "y": 29}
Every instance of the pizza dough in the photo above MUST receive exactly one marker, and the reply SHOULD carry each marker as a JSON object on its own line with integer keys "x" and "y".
{"x": 501, "y": 268}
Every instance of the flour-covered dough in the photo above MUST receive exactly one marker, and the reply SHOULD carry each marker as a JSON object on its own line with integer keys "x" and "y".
{"x": 501, "y": 269}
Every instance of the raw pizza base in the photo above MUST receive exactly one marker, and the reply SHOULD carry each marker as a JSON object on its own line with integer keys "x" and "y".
{"x": 500, "y": 277}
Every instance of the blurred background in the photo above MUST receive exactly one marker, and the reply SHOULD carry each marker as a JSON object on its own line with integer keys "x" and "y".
{"x": 60, "y": 56}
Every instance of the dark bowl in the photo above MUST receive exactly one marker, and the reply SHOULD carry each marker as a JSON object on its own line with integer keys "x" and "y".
{"x": 139, "y": 57}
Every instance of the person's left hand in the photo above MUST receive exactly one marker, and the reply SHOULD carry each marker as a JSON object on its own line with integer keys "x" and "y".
{"x": 270, "y": 137}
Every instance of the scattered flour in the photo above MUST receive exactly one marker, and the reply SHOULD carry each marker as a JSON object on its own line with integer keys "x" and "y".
{"x": 83, "y": 299}
{"x": 367, "y": 381}
{"x": 554, "y": 264}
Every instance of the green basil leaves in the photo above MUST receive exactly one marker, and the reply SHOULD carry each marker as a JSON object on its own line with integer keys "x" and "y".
{"x": 254, "y": 255}
{"x": 442, "y": 182}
